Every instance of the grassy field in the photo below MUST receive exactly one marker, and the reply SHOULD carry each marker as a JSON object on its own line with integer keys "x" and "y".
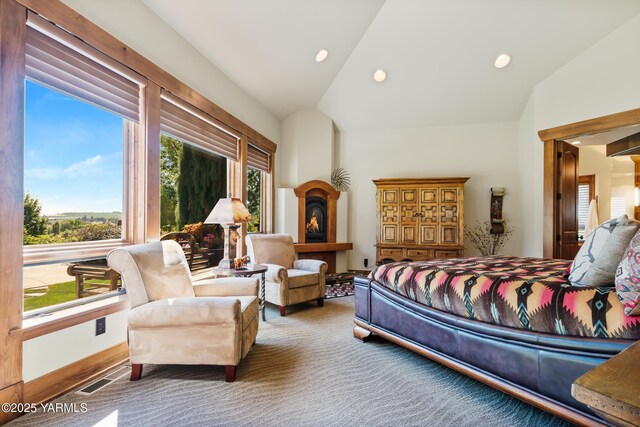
{"x": 79, "y": 215}
{"x": 55, "y": 294}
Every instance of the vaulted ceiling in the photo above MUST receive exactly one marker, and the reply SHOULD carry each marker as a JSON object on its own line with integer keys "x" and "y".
{"x": 438, "y": 54}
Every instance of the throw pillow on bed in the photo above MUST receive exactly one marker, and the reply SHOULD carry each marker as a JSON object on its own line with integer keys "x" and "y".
{"x": 603, "y": 270}
{"x": 592, "y": 250}
{"x": 628, "y": 278}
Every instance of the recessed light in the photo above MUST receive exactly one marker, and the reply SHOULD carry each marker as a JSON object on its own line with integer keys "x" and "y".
{"x": 502, "y": 60}
{"x": 322, "y": 55}
{"x": 380, "y": 76}
{"x": 576, "y": 142}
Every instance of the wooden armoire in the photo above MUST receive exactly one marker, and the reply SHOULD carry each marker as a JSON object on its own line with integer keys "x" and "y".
{"x": 419, "y": 218}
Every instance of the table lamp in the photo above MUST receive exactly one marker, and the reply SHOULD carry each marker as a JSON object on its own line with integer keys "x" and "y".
{"x": 228, "y": 213}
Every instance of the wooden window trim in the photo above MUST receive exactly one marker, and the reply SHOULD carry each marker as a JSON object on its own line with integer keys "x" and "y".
{"x": 589, "y": 180}
{"x": 62, "y": 319}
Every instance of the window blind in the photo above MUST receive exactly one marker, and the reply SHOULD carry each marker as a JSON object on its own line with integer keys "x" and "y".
{"x": 185, "y": 122}
{"x": 258, "y": 159}
{"x": 618, "y": 202}
{"x": 583, "y": 205}
{"x": 56, "y": 59}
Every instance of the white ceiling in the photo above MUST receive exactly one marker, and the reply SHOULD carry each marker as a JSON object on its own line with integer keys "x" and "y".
{"x": 438, "y": 54}
{"x": 605, "y": 138}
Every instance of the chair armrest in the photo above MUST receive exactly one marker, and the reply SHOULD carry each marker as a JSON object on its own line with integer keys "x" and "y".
{"x": 189, "y": 311}
{"x": 275, "y": 273}
{"x": 310, "y": 265}
{"x": 226, "y": 287}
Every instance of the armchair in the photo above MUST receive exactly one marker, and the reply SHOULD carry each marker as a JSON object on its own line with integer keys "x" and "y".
{"x": 288, "y": 281}
{"x": 176, "y": 321}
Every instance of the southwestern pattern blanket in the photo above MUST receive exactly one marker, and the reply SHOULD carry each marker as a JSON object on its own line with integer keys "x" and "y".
{"x": 523, "y": 293}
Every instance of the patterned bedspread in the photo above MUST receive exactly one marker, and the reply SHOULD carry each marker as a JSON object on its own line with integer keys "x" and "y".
{"x": 523, "y": 293}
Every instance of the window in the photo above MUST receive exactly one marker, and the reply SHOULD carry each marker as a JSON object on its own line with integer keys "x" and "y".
{"x": 73, "y": 170}
{"x": 620, "y": 203}
{"x": 81, "y": 111}
{"x": 258, "y": 173}
{"x": 254, "y": 199}
{"x": 191, "y": 182}
{"x": 194, "y": 155}
{"x": 586, "y": 193}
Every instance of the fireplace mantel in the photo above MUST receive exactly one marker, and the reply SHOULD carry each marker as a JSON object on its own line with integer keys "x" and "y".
{"x": 322, "y": 247}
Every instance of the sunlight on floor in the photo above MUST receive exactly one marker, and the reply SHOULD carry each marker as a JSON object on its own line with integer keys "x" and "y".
{"x": 110, "y": 420}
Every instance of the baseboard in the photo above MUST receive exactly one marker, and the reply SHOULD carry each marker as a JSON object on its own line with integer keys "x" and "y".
{"x": 60, "y": 381}
{"x": 11, "y": 394}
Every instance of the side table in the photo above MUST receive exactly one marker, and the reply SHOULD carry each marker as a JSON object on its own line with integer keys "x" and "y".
{"x": 612, "y": 389}
{"x": 250, "y": 270}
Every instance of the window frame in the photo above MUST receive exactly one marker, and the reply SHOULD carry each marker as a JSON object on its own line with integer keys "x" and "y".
{"x": 590, "y": 181}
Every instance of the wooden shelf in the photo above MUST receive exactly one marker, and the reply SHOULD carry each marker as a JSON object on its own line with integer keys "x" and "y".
{"x": 322, "y": 247}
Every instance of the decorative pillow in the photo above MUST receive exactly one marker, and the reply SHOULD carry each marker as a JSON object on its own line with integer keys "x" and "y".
{"x": 603, "y": 270}
{"x": 628, "y": 278}
{"x": 591, "y": 248}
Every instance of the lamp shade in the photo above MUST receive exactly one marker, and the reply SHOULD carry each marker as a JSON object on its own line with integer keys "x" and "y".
{"x": 228, "y": 211}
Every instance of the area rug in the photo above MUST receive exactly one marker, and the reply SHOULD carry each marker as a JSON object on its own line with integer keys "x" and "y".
{"x": 306, "y": 369}
{"x": 338, "y": 290}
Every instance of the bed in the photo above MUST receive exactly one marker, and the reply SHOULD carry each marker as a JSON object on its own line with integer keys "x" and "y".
{"x": 513, "y": 323}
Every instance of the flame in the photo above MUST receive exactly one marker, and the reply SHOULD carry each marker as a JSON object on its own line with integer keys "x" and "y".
{"x": 313, "y": 226}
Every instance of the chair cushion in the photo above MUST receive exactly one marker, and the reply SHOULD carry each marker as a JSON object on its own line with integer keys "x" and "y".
{"x": 628, "y": 278}
{"x": 271, "y": 249}
{"x": 301, "y": 278}
{"x": 591, "y": 249}
{"x": 249, "y": 307}
{"x": 187, "y": 312}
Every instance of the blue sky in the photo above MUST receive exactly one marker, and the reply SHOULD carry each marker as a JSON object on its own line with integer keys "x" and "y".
{"x": 73, "y": 153}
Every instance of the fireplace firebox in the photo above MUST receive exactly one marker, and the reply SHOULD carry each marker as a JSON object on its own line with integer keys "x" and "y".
{"x": 315, "y": 220}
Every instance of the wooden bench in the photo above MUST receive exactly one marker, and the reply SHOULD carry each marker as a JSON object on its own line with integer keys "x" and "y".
{"x": 86, "y": 272}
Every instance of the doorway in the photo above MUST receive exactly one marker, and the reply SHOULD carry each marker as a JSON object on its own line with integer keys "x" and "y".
{"x": 561, "y": 179}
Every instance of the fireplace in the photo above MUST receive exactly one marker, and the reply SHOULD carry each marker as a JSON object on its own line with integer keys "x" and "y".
{"x": 315, "y": 220}
{"x": 316, "y": 223}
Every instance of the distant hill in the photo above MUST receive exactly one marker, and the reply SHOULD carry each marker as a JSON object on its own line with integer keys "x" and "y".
{"x": 87, "y": 215}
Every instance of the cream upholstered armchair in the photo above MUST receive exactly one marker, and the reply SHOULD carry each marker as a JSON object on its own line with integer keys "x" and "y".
{"x": 175, "y": 321}
{"x": 288, "y": 281}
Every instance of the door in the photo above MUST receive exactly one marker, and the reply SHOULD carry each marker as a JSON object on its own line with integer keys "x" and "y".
{"x": 388, "y": 200}
{"x": 408, "y": 215}
{"x": 567, "y": 199}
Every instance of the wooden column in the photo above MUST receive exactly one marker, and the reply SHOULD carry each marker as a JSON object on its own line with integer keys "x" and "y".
{"x": 12, "y": 35}
{"x": 152, "y": 175}
{"x": 238, "y": 186}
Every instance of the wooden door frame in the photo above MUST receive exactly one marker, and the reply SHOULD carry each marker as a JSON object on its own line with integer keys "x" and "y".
{"x": 550, "y": 138}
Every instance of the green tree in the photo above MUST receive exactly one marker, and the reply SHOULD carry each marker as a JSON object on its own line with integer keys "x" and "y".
{"x": 34, "y": 223}
{"x": 55, "y": 228}
{"x": 253, "y": 195}
{"x": 202, "y": 180}
{"x": 170, "y": 155}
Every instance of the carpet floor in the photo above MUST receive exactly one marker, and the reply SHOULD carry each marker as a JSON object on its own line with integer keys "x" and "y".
{"x": 305, "y": 370}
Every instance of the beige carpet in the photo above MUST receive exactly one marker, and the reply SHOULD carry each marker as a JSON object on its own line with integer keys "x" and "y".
{"x": 305, "y": 370}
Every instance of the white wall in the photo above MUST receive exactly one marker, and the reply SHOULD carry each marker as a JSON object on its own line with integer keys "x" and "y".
{"x": 604, "y": 79}
{"x": 133, "y": 23}
{"x": 487, "y": 153}
{"x": 53, "y": 351}
{"x": 306, "y": 149}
